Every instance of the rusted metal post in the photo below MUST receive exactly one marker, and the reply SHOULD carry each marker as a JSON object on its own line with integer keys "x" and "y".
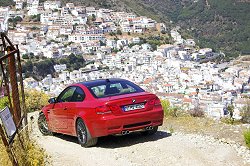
{"x": 7, "y": 87}
{"x": 22, "y": 87}
{"x": 14, "y": 86}
{"x": 9, "y": 72}
{"x": 6, "y": 144}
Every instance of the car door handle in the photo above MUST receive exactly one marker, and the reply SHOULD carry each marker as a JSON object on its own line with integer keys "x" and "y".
{"x": 65, "y": 108}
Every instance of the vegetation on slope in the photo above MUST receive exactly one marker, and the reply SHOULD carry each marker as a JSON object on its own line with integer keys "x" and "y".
{"x": 6, "y": 3}
{"x": 40, "y": 68}
{"x": 247, "y": 137}
{"x": 27, "y": 151}
{"x": 222, "y": 25}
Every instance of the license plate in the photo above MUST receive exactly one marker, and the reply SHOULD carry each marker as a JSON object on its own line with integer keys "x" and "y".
{"x": 133, "y": 107}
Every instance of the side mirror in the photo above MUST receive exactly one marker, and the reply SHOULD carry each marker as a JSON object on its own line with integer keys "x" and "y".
{"x": 52, "y": 100}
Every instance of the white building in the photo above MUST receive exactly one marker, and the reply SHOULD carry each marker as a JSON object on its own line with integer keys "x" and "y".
{"x": 19, "y": 4}
{"x": 90, "y": 11}
{"x": 79, "y": 38}
{"x": 4, "y": 11}
{"x": 32, "y": 7}
{"x": 59, "y": 68}
{"x": 52, "y": 5}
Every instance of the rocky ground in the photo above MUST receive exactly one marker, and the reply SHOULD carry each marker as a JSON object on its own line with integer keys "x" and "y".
{"x": 179, "y": 148}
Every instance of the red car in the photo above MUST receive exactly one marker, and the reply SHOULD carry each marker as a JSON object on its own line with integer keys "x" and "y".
{"x": 92, "y": 109}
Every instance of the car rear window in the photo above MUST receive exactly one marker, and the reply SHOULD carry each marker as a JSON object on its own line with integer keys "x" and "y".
{"x": 114, "y": 88}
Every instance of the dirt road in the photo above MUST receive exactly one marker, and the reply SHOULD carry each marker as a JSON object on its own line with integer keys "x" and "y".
{"x": 135, "y": 149}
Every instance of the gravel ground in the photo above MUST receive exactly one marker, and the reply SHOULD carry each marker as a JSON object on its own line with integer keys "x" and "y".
{"x": 135, "y": 149}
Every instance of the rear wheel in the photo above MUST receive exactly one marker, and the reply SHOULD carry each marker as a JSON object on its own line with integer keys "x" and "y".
{"x": 83, "y": 135}
{"x": 43, "y": 125}
{"x": 150, "y": 132}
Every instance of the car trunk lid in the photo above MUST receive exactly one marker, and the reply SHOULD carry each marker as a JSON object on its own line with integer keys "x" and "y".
{"x": 131, "y": 103}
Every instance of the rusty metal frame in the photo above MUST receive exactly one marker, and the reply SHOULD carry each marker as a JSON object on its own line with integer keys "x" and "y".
{"x": 11, "y": 71}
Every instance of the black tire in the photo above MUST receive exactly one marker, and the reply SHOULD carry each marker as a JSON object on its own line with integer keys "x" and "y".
{"x": 83, "y": 135}
{"x": 43, "y": 125}
{"x": 150, "y": 132}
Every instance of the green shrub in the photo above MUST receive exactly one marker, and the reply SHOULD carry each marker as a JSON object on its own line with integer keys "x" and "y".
{"x": 168, "y": 110}
{"x": 27, "y": 153}
{"x": 166, "y": 106}
{"x": 247, "y": 137}
{"x": 230, "y": 109}
{"x": 245, "y": 113}
{"x": 4, "y": 102}
{"x": 35, "y": 100}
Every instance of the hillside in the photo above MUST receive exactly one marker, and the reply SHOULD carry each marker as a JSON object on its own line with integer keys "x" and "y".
{"x": 6, "y": 3}
{"x": 222, "y": 25}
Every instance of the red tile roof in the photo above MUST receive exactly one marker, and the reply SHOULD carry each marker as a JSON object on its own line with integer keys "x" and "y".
{"x": 187, "y": 100}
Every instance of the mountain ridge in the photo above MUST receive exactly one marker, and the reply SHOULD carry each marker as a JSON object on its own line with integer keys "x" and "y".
{"x": 221, "y": 25}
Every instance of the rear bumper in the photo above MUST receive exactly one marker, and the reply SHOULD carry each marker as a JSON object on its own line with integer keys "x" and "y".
{"x": 112, "y": 124}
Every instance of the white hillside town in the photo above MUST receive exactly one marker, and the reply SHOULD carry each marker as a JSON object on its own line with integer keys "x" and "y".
{"x": 179, "y": 71}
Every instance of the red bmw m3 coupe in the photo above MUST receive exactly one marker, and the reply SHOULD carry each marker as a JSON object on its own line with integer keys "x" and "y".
{"x": 92, "y": 109}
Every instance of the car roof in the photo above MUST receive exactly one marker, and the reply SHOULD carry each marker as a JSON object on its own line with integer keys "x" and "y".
{"x": 100, "y": 81}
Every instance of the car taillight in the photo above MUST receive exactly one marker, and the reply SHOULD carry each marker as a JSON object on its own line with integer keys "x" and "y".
{"x": 155, "y": 101}
{"x": 102, "y": 110}
{"x": 151, "y": 102}
{"x": 114, "y": 108}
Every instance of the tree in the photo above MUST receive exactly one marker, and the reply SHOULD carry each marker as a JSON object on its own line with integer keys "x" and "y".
{"x": 37, "y": 57}
{"x": 34, "y": 28}
{"x": 17, "y": 19}
{"x": 102, "y": 43}
{"x": 89, "y": 22}
{"x": 32, "y": 55}
{"x": 119, "y": 32}
{"x": 38, "y": 18}
{"x": 25, "y": 56}
{"x": 62, "y": 61}
{"x": 10, "y": 20}
{"x": 111, "y": 33}
{"x": 29, "y": 65}
{"x": 230, "y": 109}
{"x": 163, "y": 32}
{"x": 93, "y": 18}
{"x": 245, "y": 113}
{"x": 154, "y": 47}
{"x": 115, "y": 50}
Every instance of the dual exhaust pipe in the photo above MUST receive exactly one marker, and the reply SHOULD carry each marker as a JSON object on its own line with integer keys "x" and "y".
{"x": 126, "y": 132}
{"x": 149, "y": 128}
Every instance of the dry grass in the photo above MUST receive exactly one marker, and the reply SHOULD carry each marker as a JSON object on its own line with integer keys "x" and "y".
{"x": 206, "y": 126}
{"x": 27, "y": 153}
{"x": 189, "y": 123}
